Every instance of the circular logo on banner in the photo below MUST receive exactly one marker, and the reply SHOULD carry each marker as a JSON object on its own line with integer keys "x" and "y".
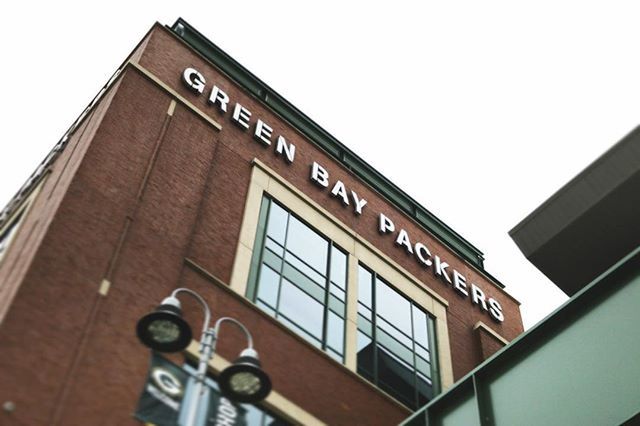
{"x": 167, "y": 382}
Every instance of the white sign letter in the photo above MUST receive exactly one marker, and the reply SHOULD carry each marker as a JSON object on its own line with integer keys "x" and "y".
{"x": 423, "y": 254}
{"x": 460, "y": 282}
{"x": 194, "y": 80}
{"x": 440, "y": 269}
{"x": 403, "y": 240}
{"x": 263, "y": 132}
{"x": 319, "y": 175}
{"x": 385, "y": 225}
{"x": 289, "y": 150}
{"x": 360, "y": 203}
{"x": 241, "y": 115}
{"x": 495, "y": 309}
{"x": 220, "y": 97}
{"x": 477, "y": 296}
{"x": 341, "y": 192}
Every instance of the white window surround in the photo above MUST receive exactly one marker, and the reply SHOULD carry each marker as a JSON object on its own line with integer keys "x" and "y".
{"x": 265, "y": 180}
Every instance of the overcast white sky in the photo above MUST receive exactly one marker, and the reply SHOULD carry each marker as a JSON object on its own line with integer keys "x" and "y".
{"x": 479, "y": 110}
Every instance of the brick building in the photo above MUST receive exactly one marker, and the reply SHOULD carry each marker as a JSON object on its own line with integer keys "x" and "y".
{"x": 188, "y": 171}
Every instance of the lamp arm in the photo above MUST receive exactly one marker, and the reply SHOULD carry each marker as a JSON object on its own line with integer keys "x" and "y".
{"x": 205, "y": 307}
{"x": 216, "y": 329}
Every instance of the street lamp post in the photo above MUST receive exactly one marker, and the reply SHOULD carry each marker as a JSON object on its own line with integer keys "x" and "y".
{"x": 165, "y": 330}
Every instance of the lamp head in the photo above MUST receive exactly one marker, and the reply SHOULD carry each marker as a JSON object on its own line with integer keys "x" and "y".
{"x": 244, "y": 380}
{"x": 164, "y": 330}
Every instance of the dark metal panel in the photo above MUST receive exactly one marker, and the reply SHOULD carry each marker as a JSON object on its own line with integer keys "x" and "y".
{"x": 588, "y": 224}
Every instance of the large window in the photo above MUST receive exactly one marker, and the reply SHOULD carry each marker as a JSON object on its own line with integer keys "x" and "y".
{"x": 395, "y": 342}
{"x": 300, "y": 277}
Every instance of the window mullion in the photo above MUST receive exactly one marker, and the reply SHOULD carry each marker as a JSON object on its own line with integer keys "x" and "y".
{"x": 433, "y": 349}
{"x": 374, "y": 325}
{"x": 281, "y": 271}
{"x": 326, "y": 298}
{"x": 261, "y": 235}
{"x": 415, "y": 361}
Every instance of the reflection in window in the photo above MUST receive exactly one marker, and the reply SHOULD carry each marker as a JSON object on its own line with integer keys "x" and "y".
{"x": 300, "y": 277}
{"x": 395, "y": 341}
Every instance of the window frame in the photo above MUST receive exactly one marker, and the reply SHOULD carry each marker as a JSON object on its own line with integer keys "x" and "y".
{"x": 432, "y": 345}
{"x": 263, "y": 181}
{"x": 259, "y": 260}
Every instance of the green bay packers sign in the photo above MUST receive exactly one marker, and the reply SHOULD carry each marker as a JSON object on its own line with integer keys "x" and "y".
{"x": 263, "y": 134}
{"x": 168, "y": 385}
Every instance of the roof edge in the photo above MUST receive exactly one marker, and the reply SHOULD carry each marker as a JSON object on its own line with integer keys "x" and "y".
{"x": 571, "y": 183}
{"x": 328, "y": 143}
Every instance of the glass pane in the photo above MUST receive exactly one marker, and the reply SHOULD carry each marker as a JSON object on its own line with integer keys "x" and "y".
{"x": 364, "y": 286}
{"x": 305, "y": 269}
{"x": 423, "y": 367}
{"x": 365, "y": 356}
{"x": 271, "y": 259}
{"x": 394, "y": 332}
{"x": 268, "y": 286}
{"x": 301, "y": 309}
{"x": 274, "y": 247}
{"x": 300, "y": 332}
{"x": 396, "y": 378}
{"x": 337, "y": 292}
{"x": 337, "y": 306}
{"x": 365, "y": 326}
{"x": 304, "y": 283}
{"x": 266, "y": 308}
{"x": 420, "y": 333}
{"x": 307, "y": 245}
{"x": 364, "y": 311}
{"x": 422, "y": 353}
{"x": 393, "y": 307}
{"x": 425, "y": 390}
{"x": 277, "y": 223}
{"x": 339, "y": 268}
{"x": 335, "y": 333}
{"x": 394, "y": 346}
{"x": 335, "y": 355}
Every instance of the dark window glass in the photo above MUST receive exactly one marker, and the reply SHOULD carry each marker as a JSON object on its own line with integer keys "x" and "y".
{"x": 300, "y": 277}
{"x": 365, "y": 356}
{"x": 394, "y": 341}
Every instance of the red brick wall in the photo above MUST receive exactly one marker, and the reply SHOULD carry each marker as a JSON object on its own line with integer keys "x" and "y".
{"x": 489, "y": 344}
{"x": 136, "y": 192}
{"x": 167, "y": 58}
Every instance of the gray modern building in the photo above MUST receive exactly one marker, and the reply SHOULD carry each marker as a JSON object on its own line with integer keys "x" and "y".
{"x": 579, "y": 366}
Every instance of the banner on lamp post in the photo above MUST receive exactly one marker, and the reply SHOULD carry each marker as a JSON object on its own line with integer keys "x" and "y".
{"x": 167, "y": 388}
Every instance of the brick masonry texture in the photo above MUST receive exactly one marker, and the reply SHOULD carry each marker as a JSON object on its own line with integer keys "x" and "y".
{"x": 137, "y": 191}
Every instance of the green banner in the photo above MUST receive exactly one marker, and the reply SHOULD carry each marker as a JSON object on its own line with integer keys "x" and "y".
{"x": 161, "y": 401}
